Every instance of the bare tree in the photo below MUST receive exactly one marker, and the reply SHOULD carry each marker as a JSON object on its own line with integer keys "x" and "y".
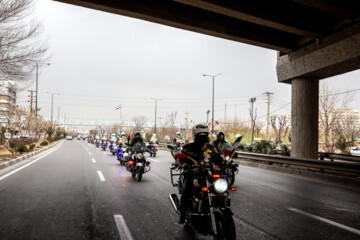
{"x": 20, "y": 44}
{"x": 329, "y": 103}
{"x": 171, "y": 118}
{"x": 281, "y": 126}
{"x": 347, "y": 126}
{"x": 258, "y": 127}
{"x": 139, "y": 122}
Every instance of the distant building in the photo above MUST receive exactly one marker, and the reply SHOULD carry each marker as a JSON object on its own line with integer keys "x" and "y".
{"x": 7, "y": 99}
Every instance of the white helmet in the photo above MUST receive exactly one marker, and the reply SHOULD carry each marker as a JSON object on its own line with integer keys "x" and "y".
{"x": 200, "y": 129}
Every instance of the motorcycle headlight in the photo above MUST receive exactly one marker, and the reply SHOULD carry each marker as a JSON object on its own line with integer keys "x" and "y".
{"x": 139, "y": 156}
{"x": 220, "y": 185}
{"x": 227, "y": 158}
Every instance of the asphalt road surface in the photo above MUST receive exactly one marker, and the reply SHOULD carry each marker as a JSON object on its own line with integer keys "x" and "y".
{"x": 78, "y": 191}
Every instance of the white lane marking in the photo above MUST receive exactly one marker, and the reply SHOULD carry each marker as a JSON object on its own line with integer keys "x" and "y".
{"x": 93, "y": 160}
{"x": 153, "y": 159}
{"x": 89, "y": 153}
{"x": 101, "y": 176}
{"x": 122, "y": 228}
{"x": 28, "y": 164}
{"x": 353, "y": 230}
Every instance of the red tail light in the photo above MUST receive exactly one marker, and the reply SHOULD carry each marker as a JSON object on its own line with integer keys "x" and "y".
{"x": 131, "y": 162}
{"x": 216, "y": 175}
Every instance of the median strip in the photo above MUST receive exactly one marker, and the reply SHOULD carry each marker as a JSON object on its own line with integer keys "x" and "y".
{"x": 101, "y": 176}
{"x": 122, "y": 228}
{"x": 353, "y": 230}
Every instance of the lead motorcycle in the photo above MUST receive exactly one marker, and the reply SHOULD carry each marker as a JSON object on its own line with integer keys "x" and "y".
{"x": 104, "y": 145}
{"x": 138, "y": 165}
{"x": 209, "y": 211}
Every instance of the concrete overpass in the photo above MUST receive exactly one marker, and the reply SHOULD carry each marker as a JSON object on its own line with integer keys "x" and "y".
{"x": 315, "y": 40}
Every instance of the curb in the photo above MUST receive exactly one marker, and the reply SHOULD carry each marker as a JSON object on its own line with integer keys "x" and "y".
{"x": 19, "y": 159}
{"x": 303, "y": 173}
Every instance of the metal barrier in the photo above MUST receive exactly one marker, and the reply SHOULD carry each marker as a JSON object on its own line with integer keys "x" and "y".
{"x": 304, "y": 162}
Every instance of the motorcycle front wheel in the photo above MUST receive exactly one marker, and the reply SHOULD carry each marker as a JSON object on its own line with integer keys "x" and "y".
{"x": 139, "y": 174}
{"x": 225, "y": 226}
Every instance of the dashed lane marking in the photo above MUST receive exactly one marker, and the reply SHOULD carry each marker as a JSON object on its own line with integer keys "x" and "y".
{"x": 353, "y": 230}
{"x": 89, "y": 153}
{"x": 93, "y": 160}
{"x": 101, "y": 176}
{"x": 123, "y": 229}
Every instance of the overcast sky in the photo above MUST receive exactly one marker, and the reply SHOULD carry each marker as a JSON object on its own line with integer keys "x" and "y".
{"x": 101, "y": 60}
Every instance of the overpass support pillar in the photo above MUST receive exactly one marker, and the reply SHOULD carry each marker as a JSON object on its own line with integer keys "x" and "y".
{"x": 304, "y": 118}
{"x": 303, "y": 68}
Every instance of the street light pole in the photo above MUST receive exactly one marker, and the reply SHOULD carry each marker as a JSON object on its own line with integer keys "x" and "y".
{"x": 156, "y": 99}
{"x": 213, "y": 95}
{"x": 52, "y": 103}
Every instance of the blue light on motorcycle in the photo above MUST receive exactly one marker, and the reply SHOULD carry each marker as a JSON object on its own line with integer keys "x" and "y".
{"x": 147, "y": 163}
{"x": 224, "y": 176}
{"x": 236, "y": 165}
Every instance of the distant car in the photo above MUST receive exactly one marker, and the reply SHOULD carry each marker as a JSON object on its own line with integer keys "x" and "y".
{"x": 69, "y": 137}
{"x": 355, "y": 151}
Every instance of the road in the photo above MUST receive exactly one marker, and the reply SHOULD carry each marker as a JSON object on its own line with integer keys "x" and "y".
{"x": 78, "y": 191}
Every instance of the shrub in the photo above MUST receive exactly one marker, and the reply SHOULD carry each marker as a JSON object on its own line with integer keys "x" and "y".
{"x": 21, "y": 148}
{"x": 341, "y": 145}
{"x": 44, "y": 143}
{"x": 285, "y": 150}
{"x": 32, "y": 146}
{"x": 241, "y": 147}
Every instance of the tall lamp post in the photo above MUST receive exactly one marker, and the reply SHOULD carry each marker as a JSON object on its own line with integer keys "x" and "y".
{"x": 213, "y": 80}
{"x": 52, "y": 103}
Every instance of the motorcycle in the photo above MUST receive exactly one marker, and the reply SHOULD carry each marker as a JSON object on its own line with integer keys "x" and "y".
{"x": 113, "y": 148}
{"x": 209, "y": 211}
{"x": 103, "y": 145}
{"x": 97, "y": 143}
{"x": 229, "y": 165}
{"x": 151, "y": 148}
{"x": 122, "y": 155}
{"x": 138, "y": 165}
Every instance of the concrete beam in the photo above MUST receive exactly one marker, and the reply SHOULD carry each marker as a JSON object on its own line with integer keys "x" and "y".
{"x": 334, "y": 55}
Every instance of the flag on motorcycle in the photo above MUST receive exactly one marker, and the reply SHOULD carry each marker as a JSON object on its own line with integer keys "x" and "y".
{"x": 208, "y": 123}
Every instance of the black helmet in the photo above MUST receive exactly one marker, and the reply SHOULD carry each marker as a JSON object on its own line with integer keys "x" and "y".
{"x": 200, "y": 130}
{"x": 137, "y": 134}
{"x": 219, "y": 135}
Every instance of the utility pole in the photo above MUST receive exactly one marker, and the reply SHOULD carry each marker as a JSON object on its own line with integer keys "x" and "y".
{"x": 268, "y": 115}
{"x": 156, "y": 99}
{"x": 31, "y": 100}
{"x": 252, "y": 100}
{"x": 58, "y": 116}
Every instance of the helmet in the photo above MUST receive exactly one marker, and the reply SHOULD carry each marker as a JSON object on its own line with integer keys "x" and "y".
{"x": 219, "y": 135}
{"x": 200, "y": 130}
{"x": 122, "y": 134}
{"x": 137, "y": 134}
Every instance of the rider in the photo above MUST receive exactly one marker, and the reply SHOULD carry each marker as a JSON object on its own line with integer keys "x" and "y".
{"x": 134, "y": 141}
{"x": 220, "y": 143}
{"x": 195, "y": 151}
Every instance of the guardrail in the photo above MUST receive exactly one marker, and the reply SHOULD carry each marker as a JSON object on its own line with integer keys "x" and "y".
{"x": 345, "y": 167}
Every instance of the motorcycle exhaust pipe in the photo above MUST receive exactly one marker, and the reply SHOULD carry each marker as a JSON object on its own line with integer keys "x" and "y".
{"x": 175, "y": 202}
